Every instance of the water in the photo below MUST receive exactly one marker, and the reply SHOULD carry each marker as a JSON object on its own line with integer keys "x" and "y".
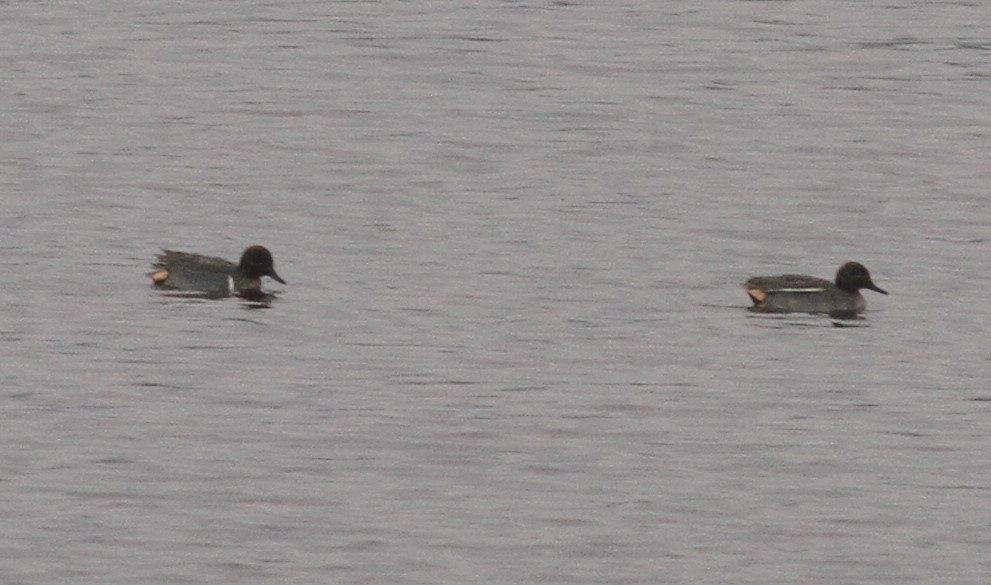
{"x": 513, "y": 347}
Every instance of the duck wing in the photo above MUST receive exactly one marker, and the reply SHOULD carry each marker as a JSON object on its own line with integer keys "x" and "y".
{"x": 186, "y": 271}
{"x": 788, "y": 282}
{"x": 171, "y": 258}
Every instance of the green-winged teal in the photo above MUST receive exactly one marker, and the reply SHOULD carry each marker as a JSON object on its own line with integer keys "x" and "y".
{"x": 798, "y": 293}
{"x": 195, "y": 272}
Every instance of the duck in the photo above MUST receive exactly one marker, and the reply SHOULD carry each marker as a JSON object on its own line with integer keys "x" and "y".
{"x": 210, "y": 274}
{"x": 800, "y": 293}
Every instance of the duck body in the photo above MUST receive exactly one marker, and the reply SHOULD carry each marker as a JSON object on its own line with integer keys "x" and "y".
{"x": 209, "y": 274}
{"x": 800, "y": 293}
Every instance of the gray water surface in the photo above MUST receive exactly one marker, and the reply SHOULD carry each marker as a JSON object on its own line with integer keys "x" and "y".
{"x": 513, "y": 347}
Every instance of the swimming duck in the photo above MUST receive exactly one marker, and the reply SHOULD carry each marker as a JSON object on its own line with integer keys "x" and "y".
{"x": 799, "y": 293}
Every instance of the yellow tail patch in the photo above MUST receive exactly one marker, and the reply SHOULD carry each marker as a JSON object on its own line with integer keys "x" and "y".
{"x": 757, "y": 295}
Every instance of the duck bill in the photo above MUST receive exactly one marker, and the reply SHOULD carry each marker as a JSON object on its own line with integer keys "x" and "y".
{"x": 870, "y": 286}
{"x": 278, "y": 278}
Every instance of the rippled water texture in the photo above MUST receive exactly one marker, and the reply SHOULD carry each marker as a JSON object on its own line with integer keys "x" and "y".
{"x": 513, "y": 347}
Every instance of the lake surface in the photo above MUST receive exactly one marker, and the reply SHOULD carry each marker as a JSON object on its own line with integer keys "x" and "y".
{"x": 513, "y": 347}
